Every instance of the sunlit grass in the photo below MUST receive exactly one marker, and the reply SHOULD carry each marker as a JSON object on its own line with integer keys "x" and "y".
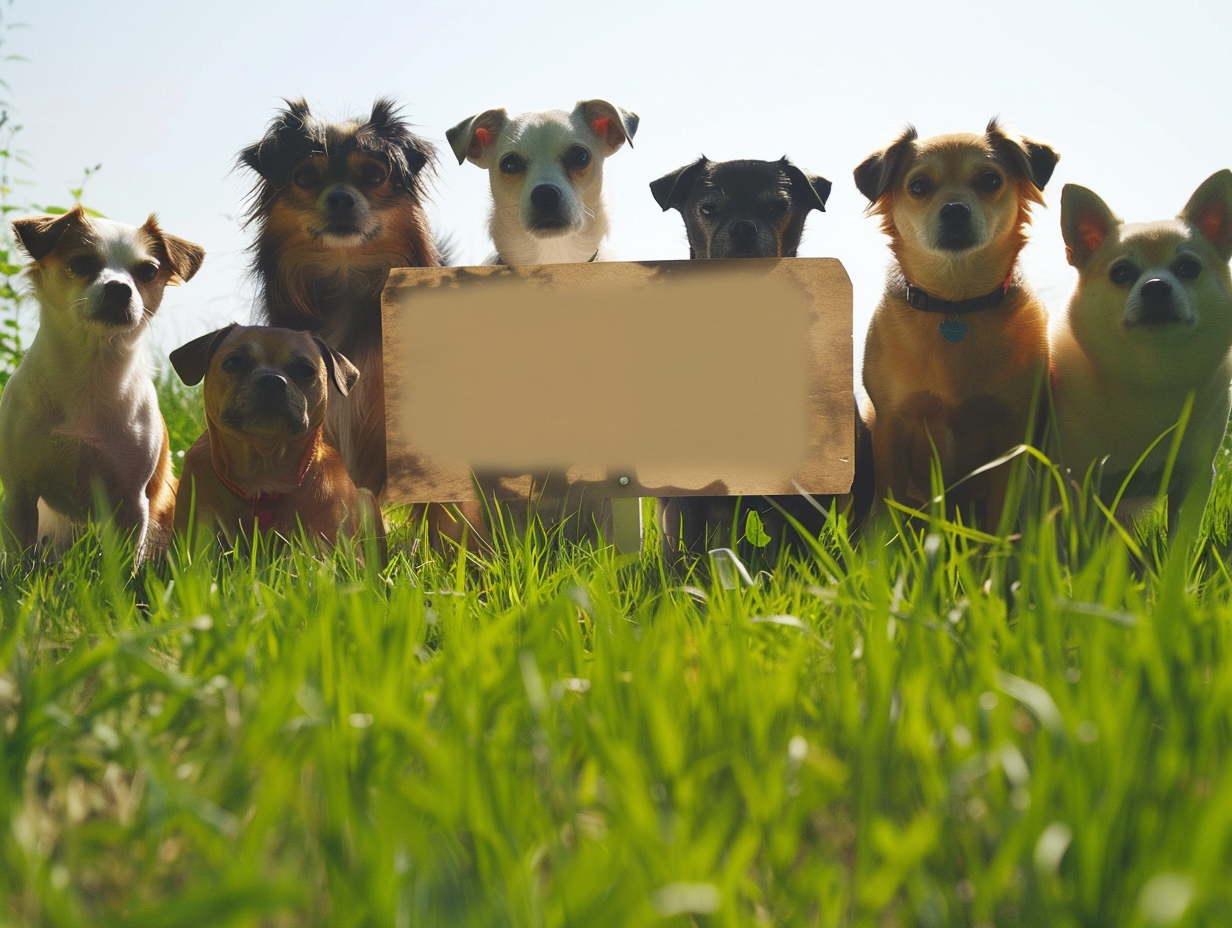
{"x": 934, "y": 728}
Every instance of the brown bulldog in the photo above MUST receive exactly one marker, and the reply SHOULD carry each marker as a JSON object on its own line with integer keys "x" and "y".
{"x": 262, "y": 462}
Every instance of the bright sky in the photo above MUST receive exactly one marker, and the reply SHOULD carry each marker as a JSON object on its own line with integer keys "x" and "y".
{"x": 163, "y": 95}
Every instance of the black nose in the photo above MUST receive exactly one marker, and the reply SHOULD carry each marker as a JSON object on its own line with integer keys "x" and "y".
{"x": 340, "y": 201}
{"x": 271, "y": 385}
{"x": 1156, "y": 291}
{"x": 743, "y": 230}
{"x": 116, "y": 291}
{"x": 955, "y": 214}
{"x": 545, "y": 198}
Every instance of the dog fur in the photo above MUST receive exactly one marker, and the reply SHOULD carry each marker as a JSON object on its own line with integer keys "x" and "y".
{"x": 79, "y": 416}
{"x": 736, "y": 209}
{"x": 262, "y": 462}
{"x": 1148, "y": 326}
{"x": 955, "y": 208}
{"x": 336, "y": 205}
{"x": 546, "y": 173}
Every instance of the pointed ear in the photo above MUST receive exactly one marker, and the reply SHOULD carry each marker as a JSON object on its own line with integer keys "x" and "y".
{"x": 183, "y": 256}
{"x": 671, "y": 191}
{"x": 875, "y": 176}
{"x": 1086, "y": 222}
{"x": 471, "y": 139}
{"x": 39, "y": 235}
{"x": 1209, "y": 211}
{"x": 192, "y": 360}
{"x": 611, "y": 125}
{"x": 810, "y": 190}
{"x": 342, "y": 373}
{"x": 1032, "y": 160}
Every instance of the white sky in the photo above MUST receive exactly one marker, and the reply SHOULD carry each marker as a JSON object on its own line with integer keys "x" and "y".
{"x": 163, "y": 95}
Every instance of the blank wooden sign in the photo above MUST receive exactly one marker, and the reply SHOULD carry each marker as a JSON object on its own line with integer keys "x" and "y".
{"x": 662, "y": 378}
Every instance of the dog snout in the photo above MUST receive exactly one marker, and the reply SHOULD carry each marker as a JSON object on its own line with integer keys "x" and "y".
{"x": 743, "y": 230}
{"x": 955, "y": 214}
{"x": 1156, "y": 291}
{"x": 114, "y": 305}
{"x": 546, "y": 198}
{"x": 271, "y": 385}
{"x": 116, "y": 292}
{"x": 340, "y": 201}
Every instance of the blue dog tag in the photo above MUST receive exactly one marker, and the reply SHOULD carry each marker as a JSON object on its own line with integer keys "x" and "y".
{"x": 953, "y": 330}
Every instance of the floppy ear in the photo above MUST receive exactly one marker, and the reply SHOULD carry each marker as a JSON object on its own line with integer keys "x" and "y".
{"x": 39, "y": 235}
{"x": 192, "y": 360}
{"x": 611, "y": 125}
{"x": 1209, "y": 211}
{"x": 810, "y": 190}
{"x": 183, "y": 256}
{"x": 288, "y": 138}
{"x": 1086, "y": 222}
{"x": 671, "y": 191}
{"x": 342, "y": 372}
{"x": 389, "y": 133}
{"x": 1032, "y": 160}
{"x": 472, "y": 139}
{"x": 875, "y": 176}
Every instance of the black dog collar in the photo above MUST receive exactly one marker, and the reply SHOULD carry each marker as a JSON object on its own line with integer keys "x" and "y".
{"x": 927, "y": 303}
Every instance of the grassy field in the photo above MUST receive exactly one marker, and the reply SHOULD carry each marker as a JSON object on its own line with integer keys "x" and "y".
{"x": 935, "y": 729}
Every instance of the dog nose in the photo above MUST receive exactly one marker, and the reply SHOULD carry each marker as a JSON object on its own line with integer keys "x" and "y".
{"x": 955, "y": 213}
{"x": 1156, "y": 290}
{"x": 340, "y": 201}
{"x": 742, "y": 230}
{"x": 116, "y": 291}
{"x": 271, "y": 385}
{"x": 546, "y": 198}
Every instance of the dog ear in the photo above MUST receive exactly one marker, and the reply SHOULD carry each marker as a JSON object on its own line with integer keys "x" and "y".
{"x": 611, "y": 125}
{"x": 183, "y": 257}
{"x": 292, "y": 134}
{"x": 1032, "y": 160}
{"x": 407, "y": 152}
{"x": 472, "y": 139}
{"x": 192, "y": 360}
{"x": 810, "y": 191}
{"x": 39, "y": 235}
{"x": 1209, "y": 211}
{"x": 342, "y": 372}
{"x": 875, "y": 176}
{"x": 671, "y": 191}
{"x": 1086, "y": 222}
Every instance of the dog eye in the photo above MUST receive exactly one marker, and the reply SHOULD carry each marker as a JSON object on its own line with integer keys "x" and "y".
{"x": 372, "y": 175}
{"x": 512, "y": 164}
{"x": 84, "y": 265}
{"x": 577, "y": 157}
{"x": 302, "y": 370}
{"x": 145, "y": 271}
{"x": 988, "y": 182}
{"x": 304, "y": 177}
{"x": 920, "y": 187}
{"x": 232, "y": 364}
{"x": 1187, "y": 267}
{"x": 1122, "y": 273}
{"x": 707, "y": 207}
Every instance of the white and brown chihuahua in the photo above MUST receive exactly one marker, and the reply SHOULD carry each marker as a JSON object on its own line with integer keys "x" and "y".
{"x": 79, "y": 419}
{"x": 546, "y": 172}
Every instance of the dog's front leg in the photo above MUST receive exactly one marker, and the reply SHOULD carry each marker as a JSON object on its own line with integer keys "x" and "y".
{"x": 19, "y": 520}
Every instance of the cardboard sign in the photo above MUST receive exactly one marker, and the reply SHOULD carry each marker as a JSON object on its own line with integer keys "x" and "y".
{"x": 662, "y": 378}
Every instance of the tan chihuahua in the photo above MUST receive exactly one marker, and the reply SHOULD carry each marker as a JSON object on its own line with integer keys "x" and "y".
{"x": 79, "y": 419}
{"x": 958, "y": 345}
{"x": 262, "y": 461}
{"x": 1149, "y": 326}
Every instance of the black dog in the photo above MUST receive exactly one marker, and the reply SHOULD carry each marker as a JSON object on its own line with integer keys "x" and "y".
{"x": 744, "y": 209}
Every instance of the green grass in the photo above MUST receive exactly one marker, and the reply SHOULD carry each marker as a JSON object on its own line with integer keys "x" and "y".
{"x": 941, "y": 729}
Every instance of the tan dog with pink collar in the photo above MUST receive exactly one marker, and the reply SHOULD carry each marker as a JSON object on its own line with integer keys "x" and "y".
{"x": 262, "y": 462}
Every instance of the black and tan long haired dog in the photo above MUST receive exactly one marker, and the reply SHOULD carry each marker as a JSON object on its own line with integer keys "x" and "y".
{"x": 336, "y": 205}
